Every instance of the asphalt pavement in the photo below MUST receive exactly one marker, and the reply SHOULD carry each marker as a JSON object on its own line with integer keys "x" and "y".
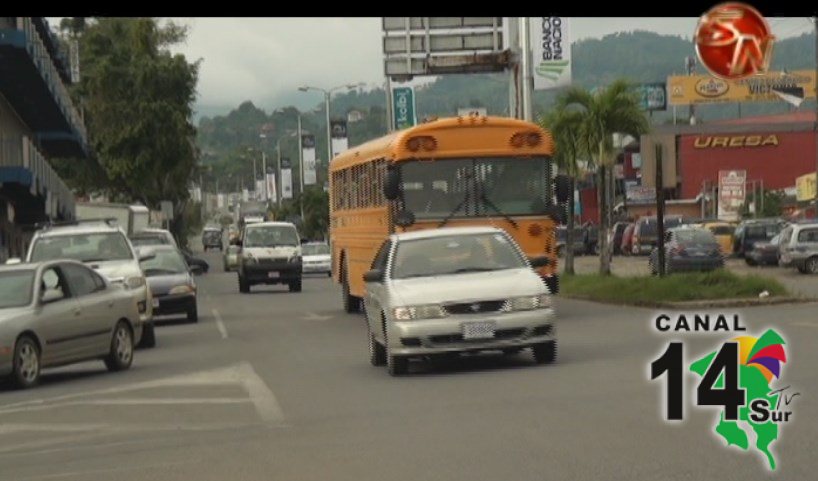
{"x": 277, "y": 386}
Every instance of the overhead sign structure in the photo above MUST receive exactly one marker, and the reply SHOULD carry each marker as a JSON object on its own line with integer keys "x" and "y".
{"x": 440, "y": 45}
{"x": 403, "y": 108}
{"x": 340, "y": 140}
{"x": 792, "y": 87}
{"x": 308, "y": 158}
{"x": 805, "y": 187}
{"x": 652, "y": 96}
{"x": 286, "y": 178}
{"x": 732, "y": 193}
{"x": 551, "y": 52}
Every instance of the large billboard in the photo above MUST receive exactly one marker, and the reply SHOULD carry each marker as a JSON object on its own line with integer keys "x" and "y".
{"x": 732, "y": 193}
{"x": 286, "y": 179}
{"x": 805, "y": 187}
{"x": 551, "y": 52}
{"x": 768, "y": 87}
{"x": 652, "y": 96}
{"x": 338, "y": 134}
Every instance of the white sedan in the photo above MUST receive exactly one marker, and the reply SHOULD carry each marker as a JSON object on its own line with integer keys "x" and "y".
{"x": 452, "y": 290}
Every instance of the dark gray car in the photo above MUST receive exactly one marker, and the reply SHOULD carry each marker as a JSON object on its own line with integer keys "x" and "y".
{"x": 688, "y": 249}
{"x": 171, "y": 283}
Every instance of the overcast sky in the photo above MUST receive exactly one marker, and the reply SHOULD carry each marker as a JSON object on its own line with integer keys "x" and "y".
{"x": 265, "y": 59}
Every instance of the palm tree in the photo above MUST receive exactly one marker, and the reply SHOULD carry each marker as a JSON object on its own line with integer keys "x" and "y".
{"x": 565, "y": 126}
{"x": 606, "y": 111}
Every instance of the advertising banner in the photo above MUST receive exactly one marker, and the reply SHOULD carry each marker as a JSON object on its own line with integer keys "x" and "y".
{"x": 286, "y": 178}
{"x": 403, "y": 107}
{"x": 767, "y": 87}
{"x": 338, "y": 132}
{"x": 640, "y": 194}
{"x": 805, "y": 187}
{"x": 652, "y": 96}
{"x": 732, "y": 193}
{"x": 259, "y": 189}
{"x": 551, "y": 52}
{"x": 272, "y": 191}
{"x": 308, "y": 158}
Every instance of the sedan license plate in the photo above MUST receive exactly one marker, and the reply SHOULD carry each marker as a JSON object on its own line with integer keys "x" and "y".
{"x": 272, "y": 275}
{"x": 479, "y": 330}
{"x": 155, "y": 302}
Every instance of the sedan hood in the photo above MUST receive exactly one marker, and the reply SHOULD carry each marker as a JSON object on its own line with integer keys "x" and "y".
{"x": 468, "y": 287}
{"x": 161, "y": 284}
{"x": 117, "y": 269}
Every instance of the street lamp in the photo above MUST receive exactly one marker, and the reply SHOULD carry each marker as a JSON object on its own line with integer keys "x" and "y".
{"x": 327, "y": 94}
{"x": 266, "y": 194}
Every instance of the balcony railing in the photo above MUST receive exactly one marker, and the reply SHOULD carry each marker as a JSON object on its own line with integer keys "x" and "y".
{"x": 45, "y": 64}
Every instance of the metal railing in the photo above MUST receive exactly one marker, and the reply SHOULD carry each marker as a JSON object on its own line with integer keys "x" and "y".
{"x": 45, "y": 64}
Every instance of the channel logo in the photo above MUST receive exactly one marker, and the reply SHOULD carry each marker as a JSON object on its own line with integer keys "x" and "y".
{"x": 734, "y": 41}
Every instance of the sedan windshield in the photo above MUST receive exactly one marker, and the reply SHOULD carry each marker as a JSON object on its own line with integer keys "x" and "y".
{"x": 83, "y": 247}
{"x": 270, "y": 236}
{"x": 15, "y": 288}
{"x": 455, "y": 254}
{"x": 315, "y": 249}
{"x": 149, "y": 240}
{"x": 695, "y": 236}
{"x": 165, "y": 262}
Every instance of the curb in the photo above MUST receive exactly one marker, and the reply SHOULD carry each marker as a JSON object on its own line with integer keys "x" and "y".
{"x": 699, "y": 304}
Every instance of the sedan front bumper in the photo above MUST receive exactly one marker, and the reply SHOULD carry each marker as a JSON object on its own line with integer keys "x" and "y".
{"x": 696, "y": 263}
{"x": 173, "y": 304}
{"x": 439, "y": 336}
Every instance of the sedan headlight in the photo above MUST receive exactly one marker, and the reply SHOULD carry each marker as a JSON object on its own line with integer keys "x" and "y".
{"x": 414, "y": 313}
{"x": 134, "y": 282}
{"x": 184, "y": 289}
{"x": 527, "y": 303}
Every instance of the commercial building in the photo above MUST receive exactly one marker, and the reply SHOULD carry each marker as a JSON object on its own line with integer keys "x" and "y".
{"x": 38, "y": 121}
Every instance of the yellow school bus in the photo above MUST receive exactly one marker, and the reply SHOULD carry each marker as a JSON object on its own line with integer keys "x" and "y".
{"x": 461, "y": 171}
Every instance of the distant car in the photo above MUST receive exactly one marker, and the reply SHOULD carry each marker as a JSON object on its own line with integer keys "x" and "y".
{"x": 723, "y": 232}
{"x": 764, "y": 253}
{"x": 617, "y": 231}
{"x": 688, "y": 249}
{"x": 626, "y": 247}
{"x": 315, "y": 258}
{"x": 451, "y": 290}
{"x": 154, "y": 237}
{"x": 212, "y": 238}
{"x": 270, "y": 254}
{"x": 230, "y": 258}
{"x": 799, "y": 247}
{"x": 751, "y": 231}
{"x": 171, "y": 282}
{"x": 645, "y": 234}
{"x": 104, "y": 248}
{"x": 59, "y": 312}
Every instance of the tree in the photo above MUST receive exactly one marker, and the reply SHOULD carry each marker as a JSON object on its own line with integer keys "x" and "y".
{"x": 565, "y": 127}
{"x": 606, "y": 111}
{"x": 138, "y": 100}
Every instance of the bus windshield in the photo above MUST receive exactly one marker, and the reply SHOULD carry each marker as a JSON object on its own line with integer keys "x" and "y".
{"x": 476, "y": 187}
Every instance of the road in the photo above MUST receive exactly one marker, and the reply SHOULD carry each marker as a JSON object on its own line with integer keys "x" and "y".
{"x": 277, "y": 386}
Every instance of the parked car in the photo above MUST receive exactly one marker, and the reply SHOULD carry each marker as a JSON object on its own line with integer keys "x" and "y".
{"x": 212, "y": 238}
{"x": 590, "y": 233}
{"x": 723, "y": 232}
{"x": 799, "y": 247}
{"x": 471, "y": 288}
{"x": 171, "y": 282}
{"x": 105, "y": 248}
{"x": 617, "y": 231}
{"x": 751, "y": 231}
{"x": 764, "y": 253}
{"x": 688, "y": 249}
{"x": 230, "y": 259}
{"x": 316, "y": 258}
{"x": 270, "y": 254}
{"x": 54, "y": 313}
{"x": 154, "y": 237}
{"x": 578, "y": 240}
{"x": 626, "y": 247}
{"x": 646, "y": 231}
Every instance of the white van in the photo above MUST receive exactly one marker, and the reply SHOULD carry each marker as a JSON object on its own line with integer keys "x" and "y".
{"x": 270, "y": 254}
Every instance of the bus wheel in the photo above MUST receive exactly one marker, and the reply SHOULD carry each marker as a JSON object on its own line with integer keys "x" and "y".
{"x": 352, "y": 304}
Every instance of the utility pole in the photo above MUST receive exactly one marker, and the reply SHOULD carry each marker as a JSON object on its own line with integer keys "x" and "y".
{"x": 660, "y": 212}
{"x": 300, "y": 170}
{"x": 513, "y": 68}
{"x": 388, "y": 89}
{"x": 815, "y": 125}
{"x": 528, "y": 80}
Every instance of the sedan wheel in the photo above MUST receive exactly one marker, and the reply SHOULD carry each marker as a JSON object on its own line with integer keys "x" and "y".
{"x": 812, "y": 265}
{"x": 120, "y": 356}
{"x": 26, "y": 363}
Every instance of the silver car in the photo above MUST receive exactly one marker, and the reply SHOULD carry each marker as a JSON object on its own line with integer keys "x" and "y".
{"x": 452, "y": 290}
{"x": 60, "y": 312}
{"x": 798, "y": 247}
{"x": 316, "y": 258}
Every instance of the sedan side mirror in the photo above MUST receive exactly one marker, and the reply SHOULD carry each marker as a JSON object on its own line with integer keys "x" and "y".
{"x": 539, "y": 261}
{"x": 196, "y": 269}
{"x": 375, "y": 275}
{"x": 14, "y": 260}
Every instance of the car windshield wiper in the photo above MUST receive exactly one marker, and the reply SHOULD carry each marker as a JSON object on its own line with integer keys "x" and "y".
{"x": 470, "y": 269}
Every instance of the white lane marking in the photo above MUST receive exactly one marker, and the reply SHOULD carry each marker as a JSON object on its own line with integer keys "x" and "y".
{"x": 220, "y": 324}
{"x": 242, "y": 373}
{"x": 311, "y": 316}
{"x": 127, "y": 402}
{"x": 66, "y": 474}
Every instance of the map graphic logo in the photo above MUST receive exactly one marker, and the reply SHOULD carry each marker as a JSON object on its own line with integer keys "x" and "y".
{"x": 738, "y": 377}
{"x": 734, "y": 41}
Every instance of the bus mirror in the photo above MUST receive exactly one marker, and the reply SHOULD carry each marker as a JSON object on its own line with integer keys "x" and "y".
{"x": 391, "y": 186}
{"x": 557, "y": 214}
{"x": 404, "y": 218}
{"x": 562, "y": 188}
